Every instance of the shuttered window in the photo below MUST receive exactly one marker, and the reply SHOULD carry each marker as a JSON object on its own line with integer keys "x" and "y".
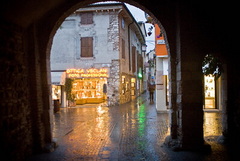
{"x": 133, "y": 59}
{"x": 140, "y": 61}
{"x": 123, "y": 49}
{"x": 86, "y": 47}
{"x": 86, "y": 18}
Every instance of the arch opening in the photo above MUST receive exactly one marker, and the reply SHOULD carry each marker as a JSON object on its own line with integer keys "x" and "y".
{"x": 174, "y": 69}
{"x": 127, "y": 83}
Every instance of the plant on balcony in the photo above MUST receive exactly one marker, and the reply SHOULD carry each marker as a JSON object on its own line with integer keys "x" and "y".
{"x": 212, "y": 66}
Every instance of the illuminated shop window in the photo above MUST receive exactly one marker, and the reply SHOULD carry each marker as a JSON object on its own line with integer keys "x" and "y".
{"x": 209, "y": 84}
{"x": 88, "y": 88}
{"x": 133, "y": 81}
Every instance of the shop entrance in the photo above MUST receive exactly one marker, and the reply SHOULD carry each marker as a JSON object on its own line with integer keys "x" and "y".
{"x": 89, "y": 90}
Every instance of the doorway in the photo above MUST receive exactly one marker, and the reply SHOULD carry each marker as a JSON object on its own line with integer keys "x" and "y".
{"x": 209, "y": 92}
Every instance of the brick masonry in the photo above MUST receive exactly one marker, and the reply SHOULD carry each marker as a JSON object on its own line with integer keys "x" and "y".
{"x": 15, "y": 119}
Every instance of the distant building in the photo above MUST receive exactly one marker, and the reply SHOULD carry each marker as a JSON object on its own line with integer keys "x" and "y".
{"x": 212, "y": 99}
{"x": 162, "y": 87}
{"x": 99, "y": 47}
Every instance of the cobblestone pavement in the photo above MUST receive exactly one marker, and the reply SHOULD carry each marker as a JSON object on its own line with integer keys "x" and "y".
{"x": 129, "y": 132}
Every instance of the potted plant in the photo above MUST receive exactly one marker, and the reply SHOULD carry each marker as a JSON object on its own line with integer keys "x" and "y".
{"x": 70, "y": 95}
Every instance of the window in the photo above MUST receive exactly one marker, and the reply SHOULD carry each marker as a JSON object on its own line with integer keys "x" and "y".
{"x": 86, "y": 18}
{"x": 123, "y": 23}
{"x": 123, "y": 49}
{"x": 139, "y": 60}
{"x": 133, "y": 59}
{"x": 86, "y": 47}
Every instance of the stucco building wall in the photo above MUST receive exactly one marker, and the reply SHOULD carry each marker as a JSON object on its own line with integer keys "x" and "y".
{"x": 111, "y": 26}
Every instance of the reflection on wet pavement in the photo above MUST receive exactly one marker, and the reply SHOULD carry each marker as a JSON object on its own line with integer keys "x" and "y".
{"x": 212, "y": 124}
{"x": 133, "y": 131}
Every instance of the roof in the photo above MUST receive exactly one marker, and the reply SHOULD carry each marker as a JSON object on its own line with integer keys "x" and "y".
{"x": 105, "y": 3}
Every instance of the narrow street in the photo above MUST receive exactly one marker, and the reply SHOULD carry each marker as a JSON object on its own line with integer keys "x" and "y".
{"x": 133, "y": 131}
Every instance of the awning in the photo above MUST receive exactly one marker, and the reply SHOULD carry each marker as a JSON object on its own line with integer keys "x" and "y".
{"x": 58, "y": 78}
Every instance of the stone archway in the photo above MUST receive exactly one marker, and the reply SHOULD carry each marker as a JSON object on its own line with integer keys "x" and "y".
{"x": 43, "y": 38}
{"x": 27, "y": 31}
{"x": 186, "y": 82}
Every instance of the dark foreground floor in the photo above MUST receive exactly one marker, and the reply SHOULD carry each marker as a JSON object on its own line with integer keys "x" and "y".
{"x": 130, "y": 132}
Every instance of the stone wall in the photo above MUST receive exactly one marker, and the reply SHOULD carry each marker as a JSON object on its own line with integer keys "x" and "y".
{"x": 15, "y": 119}
{"x": 113, "y": 84}
{"x": 24, "y": 115}
{"x": 113, "y": 33}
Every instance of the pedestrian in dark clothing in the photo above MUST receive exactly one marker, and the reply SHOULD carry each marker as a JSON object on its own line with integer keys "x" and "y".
{"x": 151, "y": 89}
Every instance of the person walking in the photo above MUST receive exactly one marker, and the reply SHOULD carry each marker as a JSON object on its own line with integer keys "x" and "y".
{"x": 151, "y": 89}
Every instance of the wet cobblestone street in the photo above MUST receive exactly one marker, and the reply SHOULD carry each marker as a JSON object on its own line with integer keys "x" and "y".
{"x": 133, "y": 131}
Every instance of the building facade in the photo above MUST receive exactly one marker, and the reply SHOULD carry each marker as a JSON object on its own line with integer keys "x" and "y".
{"x": 162, "y": 88}
{"x": 99, "y": 48}
{"x": 212, "y": 86}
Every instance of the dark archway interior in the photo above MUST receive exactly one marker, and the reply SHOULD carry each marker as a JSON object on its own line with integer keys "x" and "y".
{"x": 193, "y": 30}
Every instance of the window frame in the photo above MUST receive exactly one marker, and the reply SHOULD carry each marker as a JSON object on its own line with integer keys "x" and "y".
{"x": 86, "y": 47}
{"x": 86, "y": 18}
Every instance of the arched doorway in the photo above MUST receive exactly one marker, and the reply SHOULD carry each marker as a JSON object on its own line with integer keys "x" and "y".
{"x": 183, "y": 62}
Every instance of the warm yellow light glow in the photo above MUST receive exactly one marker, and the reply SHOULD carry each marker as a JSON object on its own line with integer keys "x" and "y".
{"x": 74, "y": 71}
{"x": 87, "y": 73}
{"x": 133, "y": 80}
{"x": 94, "y": 75}
{"x": 73, "y": 75}
{"x": 209, "y": 84}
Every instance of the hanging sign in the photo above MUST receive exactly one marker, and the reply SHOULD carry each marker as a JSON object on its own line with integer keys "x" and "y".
{"x": 87, "y": 73}
{"x": 160, "y": 41}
